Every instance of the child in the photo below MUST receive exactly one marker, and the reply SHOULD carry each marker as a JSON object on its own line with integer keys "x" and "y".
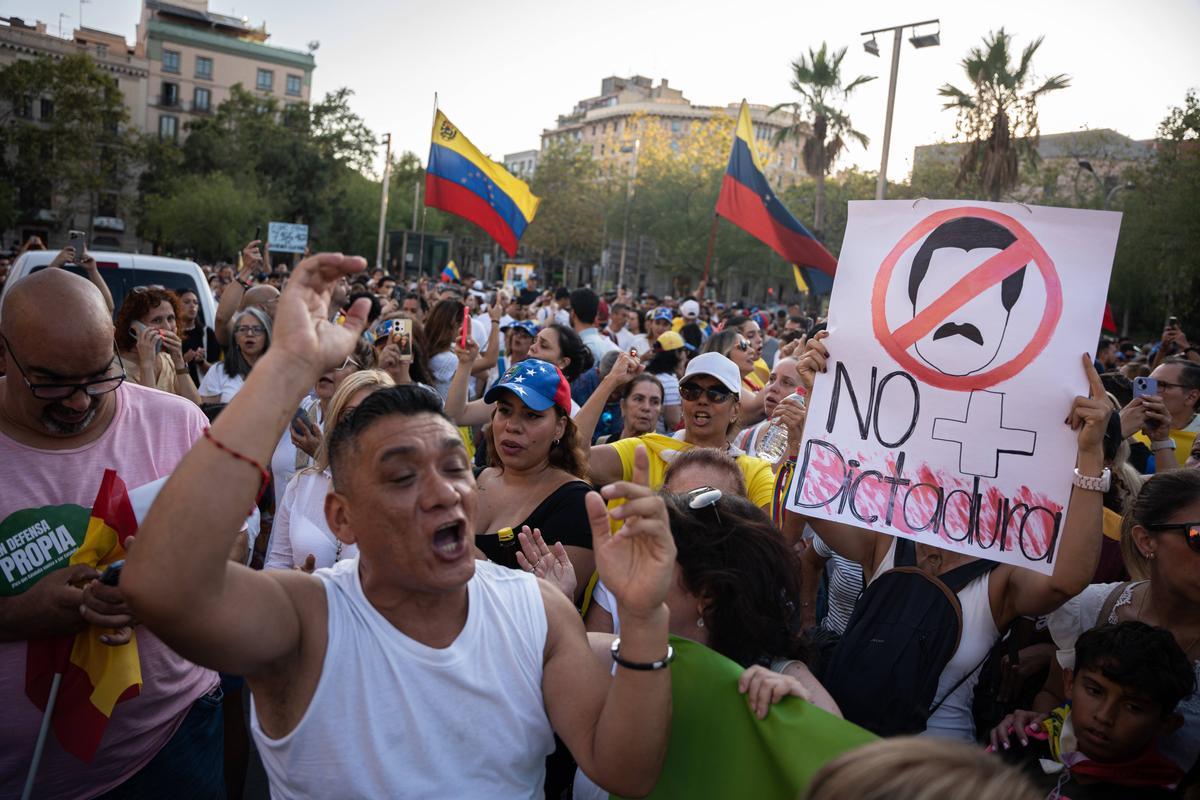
{"x": 1127, "y": 680}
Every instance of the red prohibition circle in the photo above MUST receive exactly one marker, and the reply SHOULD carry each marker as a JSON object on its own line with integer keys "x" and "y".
{"x": 1041, "y": 336}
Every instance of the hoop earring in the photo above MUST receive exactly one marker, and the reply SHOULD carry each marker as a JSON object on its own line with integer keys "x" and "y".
{"x": 700, "y": 622}
{"x": 555, "y": 443}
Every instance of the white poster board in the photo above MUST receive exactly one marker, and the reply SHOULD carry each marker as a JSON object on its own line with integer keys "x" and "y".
{"x": 285, "y": 237}
{"x": 956, "y": 331}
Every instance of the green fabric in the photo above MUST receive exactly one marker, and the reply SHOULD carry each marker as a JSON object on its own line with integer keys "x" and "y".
{"x": 719, "y": 749}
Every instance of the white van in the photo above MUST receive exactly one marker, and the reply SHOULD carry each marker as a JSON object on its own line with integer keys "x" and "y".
{"x": 125, "y": 271}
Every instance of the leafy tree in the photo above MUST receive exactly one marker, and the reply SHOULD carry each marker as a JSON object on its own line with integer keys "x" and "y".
{"x": 1157, "y": 272}
{"x": 206, "y": 216}
{"x": 998, "y": 115}
{"x": 570, "y": 218}
{"x": 76, "y": 146}
{"x": 817, "y": 120}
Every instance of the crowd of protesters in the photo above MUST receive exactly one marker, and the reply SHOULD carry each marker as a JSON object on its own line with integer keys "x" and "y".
{"x": 478, "y": 511}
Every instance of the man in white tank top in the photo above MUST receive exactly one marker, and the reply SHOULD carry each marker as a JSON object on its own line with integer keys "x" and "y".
{"x": 413, "y": 671}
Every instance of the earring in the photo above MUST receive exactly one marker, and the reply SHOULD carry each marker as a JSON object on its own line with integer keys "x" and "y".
{"x": 700, "y": 622}
{"x": 556, "y": 442}
{"x": 1151, "y": 555}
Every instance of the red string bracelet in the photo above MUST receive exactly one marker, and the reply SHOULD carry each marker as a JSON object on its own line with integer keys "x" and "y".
{"x": 266, "y": 476}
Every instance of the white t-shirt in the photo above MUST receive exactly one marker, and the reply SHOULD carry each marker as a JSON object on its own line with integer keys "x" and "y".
{"x": 300, "y": 527}
{"x": 216, "y": 382}
{"x": 442, "y": 367}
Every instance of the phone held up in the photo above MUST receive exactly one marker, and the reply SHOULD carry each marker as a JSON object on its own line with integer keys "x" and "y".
{"x": 401, "y": 336}
{"x": 78, "y": 241}
{"x": 135, "y": 330}
{"x": 1144, "y": 387}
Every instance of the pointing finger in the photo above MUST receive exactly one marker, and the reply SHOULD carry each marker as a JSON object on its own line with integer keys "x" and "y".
{"x": 1095, "y": 385}
{"x": 641, "y": 466}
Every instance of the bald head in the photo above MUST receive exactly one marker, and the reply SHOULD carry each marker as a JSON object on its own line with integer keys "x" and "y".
{"x": 262, "y": 296}
{"x": 37, "y": 306}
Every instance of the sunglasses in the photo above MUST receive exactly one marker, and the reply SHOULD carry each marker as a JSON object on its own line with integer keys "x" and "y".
{"x": 743, "y": 345}
{"x": 692, "y": 391}
{"x": 1191, "y": 531}
{"x": 704, "y": 497}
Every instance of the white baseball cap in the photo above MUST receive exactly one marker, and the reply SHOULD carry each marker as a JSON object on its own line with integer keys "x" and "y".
{"x": 717, "y": 366}
{"x": 689, "y": 308}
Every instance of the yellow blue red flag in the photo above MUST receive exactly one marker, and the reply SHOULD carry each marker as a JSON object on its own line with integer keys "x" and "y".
{"x": 463, "y": 181}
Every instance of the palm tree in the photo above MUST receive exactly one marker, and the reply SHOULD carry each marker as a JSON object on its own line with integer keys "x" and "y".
{"x": 823, "y": 127}
{"x": 999, "y": 116}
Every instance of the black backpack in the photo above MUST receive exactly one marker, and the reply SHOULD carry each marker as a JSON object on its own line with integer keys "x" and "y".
{"x": 904, "y": 630}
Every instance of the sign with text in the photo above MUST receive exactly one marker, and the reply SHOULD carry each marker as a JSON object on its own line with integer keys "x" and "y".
{"x": 516, "y": 276}
{"x": 956, "y": 332}
{"x": 285, "y": 237}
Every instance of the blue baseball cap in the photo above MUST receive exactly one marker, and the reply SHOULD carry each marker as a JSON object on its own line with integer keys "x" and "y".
{"x": 528, "y": 326}
{"x": 536, "y": 383}
{"x": 662, "y": 312}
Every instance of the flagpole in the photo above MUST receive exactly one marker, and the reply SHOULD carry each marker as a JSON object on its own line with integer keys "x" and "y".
{"x": 425, "y": 207}
{"x": 712, "y": 243}
{"x": 43, "y": 733}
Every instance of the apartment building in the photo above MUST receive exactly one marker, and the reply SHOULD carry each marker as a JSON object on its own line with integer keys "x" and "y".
{"x": 595, "y": 121}
{"x": 196, "y": 56}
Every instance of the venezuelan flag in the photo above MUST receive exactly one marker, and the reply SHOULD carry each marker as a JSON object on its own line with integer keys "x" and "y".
{"x": 463, "y": 181}
{"x": 450, "y": 273}
{"x": 95, "y": 676}
{"x": 747, "y": 201}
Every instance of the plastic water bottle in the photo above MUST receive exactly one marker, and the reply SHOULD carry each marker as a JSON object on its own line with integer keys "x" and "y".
{"x": 775, "y": 440}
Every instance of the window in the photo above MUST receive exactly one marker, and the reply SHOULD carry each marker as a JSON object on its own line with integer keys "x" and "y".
{"x": 168, "y": 127}
{"x": 202, "y": 100}
{"x": 676, "y": 126}
{"x": 170, "y": 61}
{"x": 293, "y": 84}
{"x": 170, "y": 94}
{"x": 25, "y": 107}
{"x": 47, "y": 110}
{"x": 204, "y": 67}
{"x": 266, "y": 79}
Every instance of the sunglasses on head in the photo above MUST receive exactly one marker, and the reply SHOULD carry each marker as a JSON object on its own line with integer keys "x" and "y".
{"x": 692, "y": 391}
{"x": 1190, "y": 530}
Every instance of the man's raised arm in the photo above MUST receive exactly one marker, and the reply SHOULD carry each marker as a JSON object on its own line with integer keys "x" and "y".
{"x": 178, "y": 578}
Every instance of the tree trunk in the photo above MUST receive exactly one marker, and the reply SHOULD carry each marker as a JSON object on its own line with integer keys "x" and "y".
{"x": 819, "y": 205}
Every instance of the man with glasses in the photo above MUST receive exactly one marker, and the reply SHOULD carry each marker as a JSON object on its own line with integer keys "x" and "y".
{"x": 1168, "y": 420}
{"x": 710, "y": 391}
{"x": 66, "y": 414}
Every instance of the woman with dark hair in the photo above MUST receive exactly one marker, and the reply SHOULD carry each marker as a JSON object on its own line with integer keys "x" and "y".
{"x": 641, "y": 408}
{"x": 738, "y": 349}
{"x": 667, "y": 362}
{"x": 251, "y": 329}
{"x": 1163, "y": 527}
{"x": 442, "y": 326}
{"x": 388, "y": 354}
{"x": 150, "y": 342}
{"x": 537, "y": 467}
{"x": 562, "y": 347}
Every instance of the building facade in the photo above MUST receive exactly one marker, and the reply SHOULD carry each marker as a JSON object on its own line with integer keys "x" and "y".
{"x": 596, "y": 121}
{"x": 522, "y": 164}
{"x": 196, "y": 56}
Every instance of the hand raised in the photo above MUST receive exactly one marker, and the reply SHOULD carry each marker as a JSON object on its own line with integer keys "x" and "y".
{"x": 1089, "y": 415}
{"x": 302, "y": 332}
{"x": 637, "y": 563}
{"x": 252, "y": 259}
{"x": 553, "y": 565}
{"x": 813, "y": 360}
{"x": 624, "y": 369}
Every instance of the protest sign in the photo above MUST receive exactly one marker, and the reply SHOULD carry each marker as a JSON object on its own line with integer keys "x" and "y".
{"x": 956, "y": 332}
{"x": 284, "y": 237}
{"x": 516, "y": 276}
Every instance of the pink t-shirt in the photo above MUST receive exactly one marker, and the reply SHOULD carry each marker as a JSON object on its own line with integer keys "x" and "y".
{"x": 45, "y": 489}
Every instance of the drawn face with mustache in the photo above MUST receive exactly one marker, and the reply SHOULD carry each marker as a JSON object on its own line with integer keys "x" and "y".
{"x": 968, "y": 339}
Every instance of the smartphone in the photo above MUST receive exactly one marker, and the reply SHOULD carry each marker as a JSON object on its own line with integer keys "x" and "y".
{"x": 1172, "y": 322}
{"x": 135, "y": 330}
{"x": 77, "y": 240}
{"x": 1143, "y": 387}
{"x": 300, "y": 423}
{"x": 258, "y": 234}
{"x": 401, "y": 336}
{"x": 112, "y": 574}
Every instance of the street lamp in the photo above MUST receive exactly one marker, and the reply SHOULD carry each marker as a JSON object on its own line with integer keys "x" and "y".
{"x": 872, "y": 47}
{"x": 630, "y": 187}
{"x": 1086, "y": 166}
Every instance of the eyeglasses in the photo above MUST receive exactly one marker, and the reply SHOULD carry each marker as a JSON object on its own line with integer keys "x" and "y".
{"x": 255, "y": 329}
{"x": 743, "y": 345}
{"x": 692, "y": 391}
{"x": 62, "y": 391}
{"x": 1168, "y": 385}
{"x": 1191, "y": 531}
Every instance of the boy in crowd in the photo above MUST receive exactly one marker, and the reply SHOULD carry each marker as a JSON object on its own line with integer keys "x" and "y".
{"x": 1127, "y": 680}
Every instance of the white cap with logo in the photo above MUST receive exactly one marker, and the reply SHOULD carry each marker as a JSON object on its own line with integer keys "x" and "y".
{"x": 689, "y": 308}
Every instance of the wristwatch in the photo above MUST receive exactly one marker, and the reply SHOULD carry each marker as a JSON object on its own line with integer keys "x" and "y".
{"x": 1162, "y": 444}
{"x": 1093, "y": 483}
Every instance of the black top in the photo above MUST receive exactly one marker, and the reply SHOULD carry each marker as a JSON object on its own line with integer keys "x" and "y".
{"x": 201, "y": 336}
{"x": 561, "y": 517}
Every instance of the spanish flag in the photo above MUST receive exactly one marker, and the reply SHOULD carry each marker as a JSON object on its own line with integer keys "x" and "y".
{"x": 95, "y": 676}
{"x": 463, "y": 181}
{"x": 748, "y": 201}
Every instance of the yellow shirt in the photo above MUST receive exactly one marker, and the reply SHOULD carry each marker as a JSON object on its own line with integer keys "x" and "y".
{"x": 760, "y": 479}
{"x": 758, "y": 378}
{"x": 1183, "y": 439}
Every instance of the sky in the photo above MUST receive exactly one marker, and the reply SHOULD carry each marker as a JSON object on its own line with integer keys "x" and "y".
{"x": 504, "y": 71}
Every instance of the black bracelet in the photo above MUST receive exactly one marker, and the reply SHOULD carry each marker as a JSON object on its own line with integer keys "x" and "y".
{"x": 243, "y": 284}
{"x": 653, "y": 665}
